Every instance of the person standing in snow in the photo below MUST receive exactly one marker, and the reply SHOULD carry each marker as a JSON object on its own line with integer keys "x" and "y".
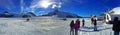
{"x": 116, "y": 26}
{"x": 83, "y": 21}
{"x": 95, "y": 23}
{"x": 28, "y": 19}
{"x": 72, "y": 27}
{"x": 76, "y": 26}
{"x": 78, "y": 21}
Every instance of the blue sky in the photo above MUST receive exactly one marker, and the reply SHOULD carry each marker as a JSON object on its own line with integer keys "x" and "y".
{"x": 79, "y": 7}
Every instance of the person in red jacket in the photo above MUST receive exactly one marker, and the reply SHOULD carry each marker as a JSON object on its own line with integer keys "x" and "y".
{"x": 76, "y": 27}
{"x": 92, "y": 19}
{"x": 78, "y": 21}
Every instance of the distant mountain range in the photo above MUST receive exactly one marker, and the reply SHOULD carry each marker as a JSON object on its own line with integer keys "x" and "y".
{"x": 60, "y": 14}
{"x": 55, "y": 13}
{"x": 7, "y": 14}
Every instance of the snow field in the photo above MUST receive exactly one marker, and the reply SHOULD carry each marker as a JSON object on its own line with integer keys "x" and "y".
{"x": 49, "y": 26}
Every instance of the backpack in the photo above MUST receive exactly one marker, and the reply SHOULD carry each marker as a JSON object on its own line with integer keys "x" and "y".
{"x": 92, "y": 18}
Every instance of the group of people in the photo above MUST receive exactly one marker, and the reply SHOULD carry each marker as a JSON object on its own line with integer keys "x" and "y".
{"x": 75, "y": 26}
{"x": 94, "y": 21}
{"x": 115, "y": 28}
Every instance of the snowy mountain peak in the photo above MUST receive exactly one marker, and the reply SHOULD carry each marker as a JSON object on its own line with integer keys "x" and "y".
{"x": 61, "y": 14}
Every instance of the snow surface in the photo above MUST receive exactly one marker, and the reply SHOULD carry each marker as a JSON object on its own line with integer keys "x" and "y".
{"x": 49, "y": 26}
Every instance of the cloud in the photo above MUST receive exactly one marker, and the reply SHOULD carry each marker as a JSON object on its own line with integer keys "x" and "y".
{"x": 53, "y": 6}
{"x": 44, "y": 4}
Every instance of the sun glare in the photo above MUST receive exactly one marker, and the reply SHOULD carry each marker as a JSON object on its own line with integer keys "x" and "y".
{"x": 45, "y": 4}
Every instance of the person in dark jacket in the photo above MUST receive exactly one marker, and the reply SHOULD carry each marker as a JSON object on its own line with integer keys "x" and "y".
{"x": 27, "y": 19}
{"x": 72, "y": 27}
{"x": 116, "y": 26}
{"x": 83, "y": 21}
{"x": 95, "y": 24}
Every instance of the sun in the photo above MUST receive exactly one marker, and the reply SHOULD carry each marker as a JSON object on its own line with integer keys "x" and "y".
{"x": 45, "y": 4}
